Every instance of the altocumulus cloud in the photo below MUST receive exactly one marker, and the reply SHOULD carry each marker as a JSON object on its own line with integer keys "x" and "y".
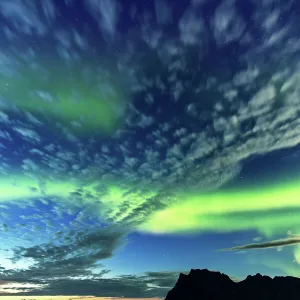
{"x": 75, "y": 257}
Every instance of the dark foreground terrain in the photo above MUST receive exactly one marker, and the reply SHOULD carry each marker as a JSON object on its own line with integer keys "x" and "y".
{"x": 205, "y": 284}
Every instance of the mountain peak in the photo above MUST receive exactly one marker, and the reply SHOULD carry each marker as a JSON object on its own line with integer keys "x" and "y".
{"x": 205, "y": 284}
{"x": 257, "y": 277}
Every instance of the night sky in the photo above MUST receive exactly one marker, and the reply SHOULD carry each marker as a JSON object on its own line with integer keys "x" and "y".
{"x": 142, "y": 138}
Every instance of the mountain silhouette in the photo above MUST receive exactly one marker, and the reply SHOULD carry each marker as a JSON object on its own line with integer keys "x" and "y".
{"x": 205, "y": 284}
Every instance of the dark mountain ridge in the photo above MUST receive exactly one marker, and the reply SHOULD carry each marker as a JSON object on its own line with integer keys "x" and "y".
{"x": 205, "y": 284}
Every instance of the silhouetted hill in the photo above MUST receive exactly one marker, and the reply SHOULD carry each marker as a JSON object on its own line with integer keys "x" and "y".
{"x": 209, "y": 285}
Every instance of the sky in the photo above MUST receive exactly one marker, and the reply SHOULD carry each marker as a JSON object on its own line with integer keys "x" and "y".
{"x": 140, "y": 139}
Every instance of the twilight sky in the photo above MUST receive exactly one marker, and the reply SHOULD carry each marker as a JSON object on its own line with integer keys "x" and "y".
{"x": 143, "y": 138}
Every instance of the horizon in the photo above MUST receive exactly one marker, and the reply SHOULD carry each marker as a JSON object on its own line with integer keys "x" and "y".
{"x": 72, "y": 298}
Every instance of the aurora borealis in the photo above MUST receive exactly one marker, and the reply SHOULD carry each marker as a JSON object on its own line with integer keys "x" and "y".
{"x": 140, "y": 139}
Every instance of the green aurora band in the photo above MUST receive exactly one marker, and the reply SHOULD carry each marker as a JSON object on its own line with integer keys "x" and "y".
{"x": 22, "y": 188}
{"x": 81, "y": 94}
{"x": 271, "y": 210}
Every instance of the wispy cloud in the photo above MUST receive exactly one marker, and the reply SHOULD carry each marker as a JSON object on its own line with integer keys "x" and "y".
{"x": 106, "y": 13}
{"x": 150, "y": 286}
{"x": 289, "y": 241}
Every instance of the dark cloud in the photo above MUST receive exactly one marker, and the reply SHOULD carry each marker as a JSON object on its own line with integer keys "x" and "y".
{"x": 127, "y": 286}
{"x": 73, "y": 258}
{"x": 163, "y": 279}
{"x": 151, "y": 284}
{"x": 290, "y": 241}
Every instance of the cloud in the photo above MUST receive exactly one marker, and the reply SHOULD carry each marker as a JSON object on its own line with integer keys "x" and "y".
{"x": 43, "y": 239}
{"x": 11, "y": 287}
{"x": 24, "y": 15}
{"x": 163, "y": 279}
{"x": 163, "y": 12}
{"x": 227, "y": 25}
{"x": 148, "y": 285}
{"x": 106, "y": 13}
{"x": 192, "y": 27}
{"x": 289, "y": 241}
{"x": 4, "y": 118}
{"x": 79, "y": 252}
{"x": 28, "y": 134}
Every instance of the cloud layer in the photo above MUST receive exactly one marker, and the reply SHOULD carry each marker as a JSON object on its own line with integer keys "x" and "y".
{"x": 289, "y": 241}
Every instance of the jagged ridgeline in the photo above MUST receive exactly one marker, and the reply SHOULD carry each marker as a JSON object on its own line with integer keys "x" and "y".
{"x": 210, "y": 285}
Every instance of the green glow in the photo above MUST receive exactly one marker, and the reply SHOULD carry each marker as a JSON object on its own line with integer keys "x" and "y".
{"x": 12, "y": 191}
{"x": 297, "y": 254}
{"x": 288, "y": 267}
{"x": 230, "y": 211}
{"x": 94, "y": 101}
{"x": 19, "y": 187}
{"x": 116, "y": 202}
{"x": 272, "y": 210}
